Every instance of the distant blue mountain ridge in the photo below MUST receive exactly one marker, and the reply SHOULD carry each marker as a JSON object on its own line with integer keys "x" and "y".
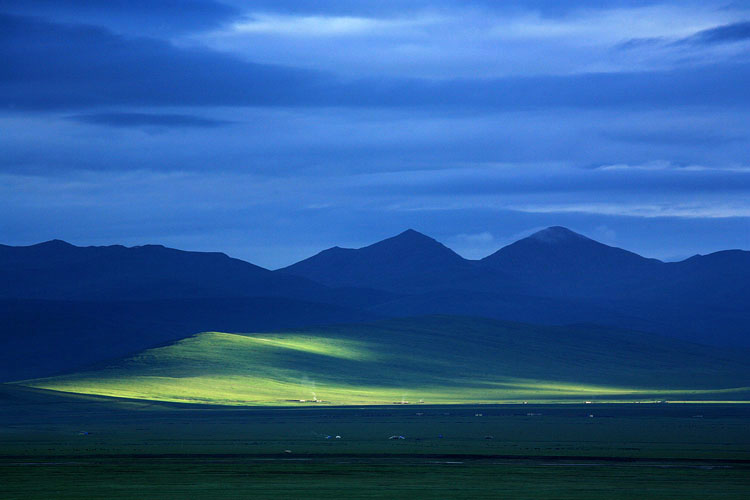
{"x": 86, "y": 304}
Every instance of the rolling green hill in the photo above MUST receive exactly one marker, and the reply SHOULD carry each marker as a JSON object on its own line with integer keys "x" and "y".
{"x": 436, "y": 359}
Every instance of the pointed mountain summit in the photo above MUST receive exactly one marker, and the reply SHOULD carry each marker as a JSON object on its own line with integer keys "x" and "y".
{"x": 557, "y": 261}
{"x": 561, "y": 242}
{"x": 407, "y": 262}
{"x": 557, "y": 234}
{"x": 412, "y": 245}
{"x": 53, "y": 244}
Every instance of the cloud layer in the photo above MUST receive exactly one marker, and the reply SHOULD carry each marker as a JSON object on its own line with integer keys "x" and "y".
{"x": 275, "y": 129}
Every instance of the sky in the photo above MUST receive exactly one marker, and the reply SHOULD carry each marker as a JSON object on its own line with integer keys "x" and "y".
{"x": 271, "y": 130}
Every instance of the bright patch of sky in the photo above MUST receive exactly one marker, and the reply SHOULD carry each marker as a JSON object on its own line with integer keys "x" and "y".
{"x": 473, "y": 41}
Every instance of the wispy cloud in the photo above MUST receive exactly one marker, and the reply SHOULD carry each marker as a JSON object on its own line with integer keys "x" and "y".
{"x": 642, "y": 210}
{"x": 159, "y": 18}
{"x": 483, "y": 237}
{"x": 656, "y": 166}
{"x": 464, "y": 39}
{"x": 148, "y": 120}
{"x": 320, "y": 26}
{"x": 720, "y": 40}
{"x": 728, "y": 33}
{"x": 43, "y": 64}
{"x": 673, "y": 136}
{"x": 473, "y": 245}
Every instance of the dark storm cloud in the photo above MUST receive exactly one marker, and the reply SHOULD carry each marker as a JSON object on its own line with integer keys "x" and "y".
{"x": 728, "y": 33}
{"x": 48, "y": 66}
{"x": 53, "y": 66}
{"x": 640, "y": 43}
{"x": 153, "y": 17}
{"x": 148, "y": 120}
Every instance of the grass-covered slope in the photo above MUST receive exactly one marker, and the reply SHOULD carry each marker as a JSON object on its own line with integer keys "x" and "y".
{"x": 42, "y": 338}
{"x": 438, "y": 359}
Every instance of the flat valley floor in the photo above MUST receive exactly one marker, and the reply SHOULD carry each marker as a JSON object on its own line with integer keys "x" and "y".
{"x": 54, "y": 446}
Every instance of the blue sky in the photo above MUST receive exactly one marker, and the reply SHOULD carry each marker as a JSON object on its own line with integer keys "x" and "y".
{"x": 273, "y": 129}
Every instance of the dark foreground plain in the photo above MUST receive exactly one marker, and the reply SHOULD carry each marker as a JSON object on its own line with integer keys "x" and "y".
{"x": 54, "y": 446}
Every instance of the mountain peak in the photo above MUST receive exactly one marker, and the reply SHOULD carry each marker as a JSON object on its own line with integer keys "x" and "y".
{"x": 559, "y": 262}
{"x": 405, "y": 241}
{"x": 556, "y": 234}
{"x": 54, "y": 244}
{"x": 412, "y": 233}
{"x": 411, "y": 243}
{"x": 410, "y": 236}
{"x": 52, "y": 247}
{"x": 408, "y": 261}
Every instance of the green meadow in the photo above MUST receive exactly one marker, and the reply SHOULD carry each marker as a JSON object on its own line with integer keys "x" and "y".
{"x": 394, "y": 479}
{"x": 431, "y": 360}
{"x": 68, "y": 446}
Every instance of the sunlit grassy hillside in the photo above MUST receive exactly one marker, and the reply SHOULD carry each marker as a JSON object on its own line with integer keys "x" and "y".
{"x": 430, "y": 360}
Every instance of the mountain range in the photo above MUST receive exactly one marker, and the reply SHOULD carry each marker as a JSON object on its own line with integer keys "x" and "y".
{"x": 64, "y": 307}
{"x": 555, "y": 276}
{"x": 554, "y": 262}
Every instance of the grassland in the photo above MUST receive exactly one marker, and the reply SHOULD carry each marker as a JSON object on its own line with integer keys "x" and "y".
{"x": 395, "y": 479}
{"x": 54, "y": 445}
{"x": 433, "y": 360}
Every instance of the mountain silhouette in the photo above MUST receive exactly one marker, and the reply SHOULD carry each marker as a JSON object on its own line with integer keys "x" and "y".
{"x": 64, "y": 306}
{"x": 554, "y": 276}
{"x": 721, "y": 279}
{"x": 407, "y": 263}
{"x": 559, "y": 262}
{"x": 56, "y": 270}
